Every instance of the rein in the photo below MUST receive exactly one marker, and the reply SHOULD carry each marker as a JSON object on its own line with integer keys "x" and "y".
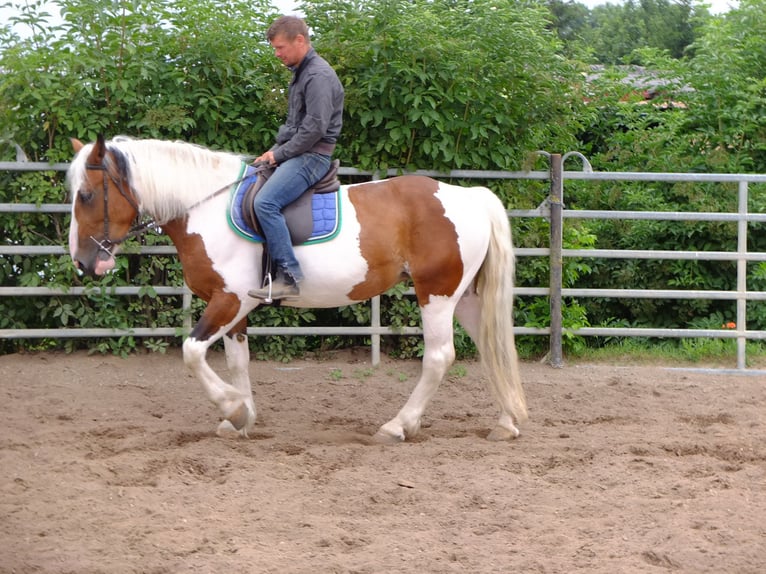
{"x": 137, "y": 229}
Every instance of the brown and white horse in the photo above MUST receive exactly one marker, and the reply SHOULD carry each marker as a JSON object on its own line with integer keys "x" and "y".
{"x": 454, "y": 243}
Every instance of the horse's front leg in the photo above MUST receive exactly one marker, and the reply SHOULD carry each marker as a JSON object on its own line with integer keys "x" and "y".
{"x": 235, "y": 401}
{"x": 238, "y": 362}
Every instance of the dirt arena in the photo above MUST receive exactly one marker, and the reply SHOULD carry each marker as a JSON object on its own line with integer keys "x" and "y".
{"x": 112, "y": 466}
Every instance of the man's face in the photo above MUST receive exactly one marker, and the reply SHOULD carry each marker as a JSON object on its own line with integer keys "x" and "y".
{"x": 289, "y": 52}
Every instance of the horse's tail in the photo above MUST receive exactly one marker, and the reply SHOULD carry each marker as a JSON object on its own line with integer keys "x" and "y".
{"x": 497, "y": 348}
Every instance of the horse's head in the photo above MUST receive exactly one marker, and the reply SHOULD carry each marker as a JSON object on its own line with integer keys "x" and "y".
{"x": 103, "y": 206}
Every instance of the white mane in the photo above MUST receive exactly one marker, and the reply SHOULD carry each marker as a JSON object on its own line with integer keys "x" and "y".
{"x": 167, "y": 177}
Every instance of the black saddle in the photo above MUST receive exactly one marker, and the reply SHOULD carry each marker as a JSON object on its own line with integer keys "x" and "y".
{"x": 298, "y": 214}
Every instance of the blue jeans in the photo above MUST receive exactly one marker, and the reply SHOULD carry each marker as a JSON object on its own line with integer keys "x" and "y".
{"x": 286, "y": 184}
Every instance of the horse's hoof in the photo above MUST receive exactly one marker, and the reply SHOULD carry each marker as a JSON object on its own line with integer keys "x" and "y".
{"x": 239, "y": 417}
{"x": 383, "y": 437}
{"x": 501, "y": 434}
{"x": 227, "y": 430}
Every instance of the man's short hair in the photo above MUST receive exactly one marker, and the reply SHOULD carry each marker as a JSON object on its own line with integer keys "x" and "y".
{"x": 289, "y": 27}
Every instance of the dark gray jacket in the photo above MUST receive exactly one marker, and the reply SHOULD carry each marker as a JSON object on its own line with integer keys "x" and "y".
{"x": 315, "y": 110}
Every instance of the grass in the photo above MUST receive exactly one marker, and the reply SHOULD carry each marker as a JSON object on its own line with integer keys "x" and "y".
{"x": 363, "y": 373}
{"x": 336, "y": 375}
{"x": 696, "y": 351}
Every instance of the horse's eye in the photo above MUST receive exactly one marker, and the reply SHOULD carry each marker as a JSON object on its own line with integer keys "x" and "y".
{"x": 86, "y": 196}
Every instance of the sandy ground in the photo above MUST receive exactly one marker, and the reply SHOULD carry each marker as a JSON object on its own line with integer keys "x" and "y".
{"x": 112, "y": 466}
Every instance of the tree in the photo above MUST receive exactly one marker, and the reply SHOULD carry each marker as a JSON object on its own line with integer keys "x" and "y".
{"x": 571, "y": 22}
{"x": 719, "y": 126}
{"x": 185, "y": 69}
{"x": 617, "y": 30}
{"x": 452, "y": 84}
{"x": 725, "y": 126}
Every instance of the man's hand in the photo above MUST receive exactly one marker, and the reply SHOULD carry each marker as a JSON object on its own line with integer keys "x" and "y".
{"x": 267, "y": 157}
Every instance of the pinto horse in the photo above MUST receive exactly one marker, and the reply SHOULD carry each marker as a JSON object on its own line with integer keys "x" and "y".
{"x": 453, "y": 243}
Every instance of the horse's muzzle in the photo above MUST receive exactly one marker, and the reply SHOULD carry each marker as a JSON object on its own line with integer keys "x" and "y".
{"x": 96, "y": 266}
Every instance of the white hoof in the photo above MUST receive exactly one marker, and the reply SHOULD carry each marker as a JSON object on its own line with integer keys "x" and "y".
{"x": 390, "y": 433}
{"x": 382, "y": 437}
{"x": 395, "y": 432}
{"x": 500, "y": 433}
{"x": 227, "y": 430}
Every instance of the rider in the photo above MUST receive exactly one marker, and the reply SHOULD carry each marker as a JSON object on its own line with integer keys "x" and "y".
{"x": 303, "y": 149}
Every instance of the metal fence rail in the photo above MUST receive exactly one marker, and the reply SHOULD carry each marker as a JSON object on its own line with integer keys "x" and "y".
{"x": 556, "y": 214}
{"x": 552, "y": 209}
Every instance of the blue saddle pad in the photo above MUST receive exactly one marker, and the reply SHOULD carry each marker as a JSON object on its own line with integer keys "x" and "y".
{"x": 325, "y": 210}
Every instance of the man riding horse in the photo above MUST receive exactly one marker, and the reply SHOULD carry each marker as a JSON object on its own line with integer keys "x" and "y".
{"x": 303, "y": 149}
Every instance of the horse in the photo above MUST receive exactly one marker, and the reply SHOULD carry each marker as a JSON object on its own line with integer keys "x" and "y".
{"x": 452, "y": 242}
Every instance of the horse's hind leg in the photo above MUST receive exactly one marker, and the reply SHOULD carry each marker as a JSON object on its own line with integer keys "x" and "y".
{"x": 438, "y": 355}
{"x": 468, "y": 313}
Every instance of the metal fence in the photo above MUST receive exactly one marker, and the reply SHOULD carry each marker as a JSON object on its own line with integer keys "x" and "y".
{"x": 552, "y": 209}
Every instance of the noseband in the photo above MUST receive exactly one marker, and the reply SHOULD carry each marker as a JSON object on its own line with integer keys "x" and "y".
{"x": 107, "y": 244}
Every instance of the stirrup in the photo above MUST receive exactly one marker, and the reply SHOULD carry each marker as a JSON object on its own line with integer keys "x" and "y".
{"x": 282, "y": 288}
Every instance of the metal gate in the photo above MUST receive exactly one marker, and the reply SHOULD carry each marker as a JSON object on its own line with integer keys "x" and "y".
{"x": 552, "y": 209}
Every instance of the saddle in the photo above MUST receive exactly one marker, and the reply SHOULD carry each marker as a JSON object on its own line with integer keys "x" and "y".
{"x": 298, "y": 214}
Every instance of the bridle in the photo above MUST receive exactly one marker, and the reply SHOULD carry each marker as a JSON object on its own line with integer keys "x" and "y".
{"x": 139, "y": 228}
{"x": 107, "y": 244}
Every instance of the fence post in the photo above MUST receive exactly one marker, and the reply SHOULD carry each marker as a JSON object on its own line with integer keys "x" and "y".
{"x": 555, "y": 201}
{"x": 375, "y": 312}
{"x": 742, "y": 275}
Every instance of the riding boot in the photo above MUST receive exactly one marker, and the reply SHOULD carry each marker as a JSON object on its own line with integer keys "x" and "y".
{"x": 282, "y": 287}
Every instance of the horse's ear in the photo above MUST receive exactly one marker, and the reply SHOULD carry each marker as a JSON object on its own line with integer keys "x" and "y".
{"x": 98, "y": 152}
{"x": 77, "y": 145}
